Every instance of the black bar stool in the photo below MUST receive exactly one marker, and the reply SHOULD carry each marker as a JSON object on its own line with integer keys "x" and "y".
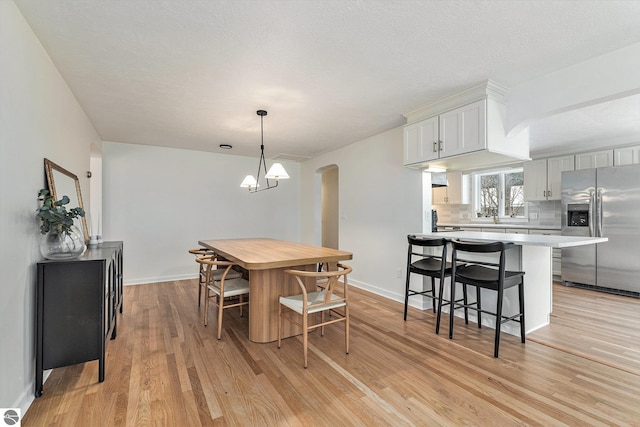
{"x": 485, "y": 275}
{"x": 434, "y": 266}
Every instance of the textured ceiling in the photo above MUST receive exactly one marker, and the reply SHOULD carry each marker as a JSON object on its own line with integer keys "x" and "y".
{"x": 191, "y": 74}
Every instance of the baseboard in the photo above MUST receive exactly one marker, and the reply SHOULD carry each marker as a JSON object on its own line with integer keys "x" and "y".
{"x": 148, "y": 280}
{"x": 27, "y": 397}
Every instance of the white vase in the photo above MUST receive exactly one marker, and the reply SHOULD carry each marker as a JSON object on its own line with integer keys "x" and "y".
{"x": 63, "y": 246}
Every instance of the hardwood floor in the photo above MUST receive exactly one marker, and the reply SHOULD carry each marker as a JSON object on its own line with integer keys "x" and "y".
{"x": 165, "y": 368}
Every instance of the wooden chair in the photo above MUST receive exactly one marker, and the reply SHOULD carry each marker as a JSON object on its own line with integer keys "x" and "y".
{"x": 221, "y": 287}
{"x": 198, "y": 252}
{"x": 486, "y": 275}
{"x": 308, "y": 303}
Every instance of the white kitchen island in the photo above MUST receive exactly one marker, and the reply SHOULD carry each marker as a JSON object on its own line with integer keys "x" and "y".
{"x": 531, "y": 254}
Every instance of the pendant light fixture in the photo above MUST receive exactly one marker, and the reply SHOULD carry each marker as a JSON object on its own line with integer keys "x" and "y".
{"x": 276, "y": 172}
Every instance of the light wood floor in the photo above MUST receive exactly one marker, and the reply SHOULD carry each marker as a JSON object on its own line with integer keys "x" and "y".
{"x": 165, "y": 368}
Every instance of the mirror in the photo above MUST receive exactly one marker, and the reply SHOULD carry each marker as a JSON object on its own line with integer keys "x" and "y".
{"x": 64, "y": 183}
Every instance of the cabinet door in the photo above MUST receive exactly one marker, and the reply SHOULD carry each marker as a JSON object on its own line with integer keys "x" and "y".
{"x": 596, "y": 159}
{"x": 626, "y": 156}
{"x": 421, "y": 141}
{"x": 458, "y": 189}
{"x": 535, "y": 180}
{"x": 463, "y": 130}
{"x": 555, "y": 167}
{"x": 439, "y": 195}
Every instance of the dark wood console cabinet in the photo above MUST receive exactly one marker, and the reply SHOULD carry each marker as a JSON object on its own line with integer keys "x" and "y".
{"x": 77, "y": 302}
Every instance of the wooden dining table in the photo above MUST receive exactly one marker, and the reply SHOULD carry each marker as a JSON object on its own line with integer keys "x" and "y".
{"x": 266, "y": 261}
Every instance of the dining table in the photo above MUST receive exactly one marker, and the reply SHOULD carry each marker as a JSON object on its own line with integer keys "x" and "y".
{"x": 266, "y": 260}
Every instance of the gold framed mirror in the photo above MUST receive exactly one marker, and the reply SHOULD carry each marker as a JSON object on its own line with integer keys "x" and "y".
{"x": 64, "y": 183}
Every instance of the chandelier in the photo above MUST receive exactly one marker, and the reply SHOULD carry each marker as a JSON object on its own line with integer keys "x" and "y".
{"x": 276, "y": 172}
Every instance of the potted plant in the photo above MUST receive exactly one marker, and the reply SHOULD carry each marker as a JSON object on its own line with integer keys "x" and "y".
{"x": 61, "y": 238}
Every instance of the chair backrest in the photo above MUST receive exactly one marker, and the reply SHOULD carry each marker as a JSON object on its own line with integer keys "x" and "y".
{"x": 329, "y": 286}
{"x": 427, "y": 242}
{"x": 209, "y": 261}
{"x": 483, "y": 248}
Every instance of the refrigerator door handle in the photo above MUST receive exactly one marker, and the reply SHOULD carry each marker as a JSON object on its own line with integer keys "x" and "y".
{"x": 599, "y": 200}
{"x": 592, "y": 211}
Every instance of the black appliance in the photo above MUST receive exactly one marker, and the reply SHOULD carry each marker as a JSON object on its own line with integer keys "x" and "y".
{"x": 434, "y": 220}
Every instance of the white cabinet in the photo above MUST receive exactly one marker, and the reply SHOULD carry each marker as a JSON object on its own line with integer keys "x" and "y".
{"x": 542, "y": 178}
{"x": 421, "y": 141}
{"x": 626, "y": 155}
{"x": 463, "y": 130}
{"x": 595, "y": 159}
{"x": 456, "y": 192}
{"x": 458, "y": 131}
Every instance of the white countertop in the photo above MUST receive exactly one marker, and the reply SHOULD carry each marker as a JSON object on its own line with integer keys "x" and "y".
{"x": 500, "y": 225}
{"x": 519, "y": 239}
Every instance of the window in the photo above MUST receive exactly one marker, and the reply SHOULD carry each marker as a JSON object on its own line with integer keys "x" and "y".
{"x": 500, "y": 193}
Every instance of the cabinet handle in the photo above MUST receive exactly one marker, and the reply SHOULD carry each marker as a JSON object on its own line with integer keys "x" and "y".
{"x": 544, "y": 193}
{"x": 435, "y": 148}
{"x": 549, "y": 193}
{"x": 439, "y": 145}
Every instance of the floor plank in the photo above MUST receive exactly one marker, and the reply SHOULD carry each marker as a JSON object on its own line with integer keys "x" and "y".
{"x": 165, "y": 368}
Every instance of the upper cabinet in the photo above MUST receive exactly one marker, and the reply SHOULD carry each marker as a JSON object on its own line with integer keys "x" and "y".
{"x": 542, "y": 178}
{"x": 421, "y": 141}
{"x": 456, "y": 192}
{"x": 456, "y": 132}
{"x": 462, "y": 131}
{"x": 626, "y": 155}
{"x": 595, "y": 159}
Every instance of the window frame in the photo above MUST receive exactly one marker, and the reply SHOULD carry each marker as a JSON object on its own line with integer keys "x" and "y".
{"x": 476, "y": 191}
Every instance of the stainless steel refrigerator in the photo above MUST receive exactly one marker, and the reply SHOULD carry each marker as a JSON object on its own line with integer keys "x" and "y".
{"x": 603, "y": 202}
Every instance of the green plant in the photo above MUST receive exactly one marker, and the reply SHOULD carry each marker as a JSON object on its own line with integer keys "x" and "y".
{"x": 54, "y": 215}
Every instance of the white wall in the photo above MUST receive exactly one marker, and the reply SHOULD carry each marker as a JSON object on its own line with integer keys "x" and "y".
{"x": 161, "y": 201}
{"x": 39, "y": 117}
{"x": 380, "y": 203}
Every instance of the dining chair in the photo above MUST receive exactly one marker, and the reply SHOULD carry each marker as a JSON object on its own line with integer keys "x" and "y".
{"x": 434, "y": 266}
{"x": 199, "y": 252}
{"x": 221, "y": 287}
{"x": 307, "y": 303}
{"x": 485, "y": 275}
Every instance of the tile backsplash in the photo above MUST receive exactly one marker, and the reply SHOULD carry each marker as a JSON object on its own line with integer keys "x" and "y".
{"x": 546, "y": 214}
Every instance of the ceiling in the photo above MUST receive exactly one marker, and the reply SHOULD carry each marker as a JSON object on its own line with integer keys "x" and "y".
{"x": 191, "y": 74}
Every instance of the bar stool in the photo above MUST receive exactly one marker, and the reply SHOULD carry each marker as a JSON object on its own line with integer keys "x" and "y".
{"x": 434, "y": 266}
{"x": 198, "y": 252}
{"x": 486, "y": 275}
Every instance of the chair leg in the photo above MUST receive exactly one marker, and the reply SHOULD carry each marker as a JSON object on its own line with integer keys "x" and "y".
{"x": 521, "y": 297}
{"x": 496, "y": 347}
{"x": 279, "y": 323}
{"x": 406, "y": 295}
{"x": 241, "y": 300}
{"x": 206, "y": 306}
{"x": 452, "y": 308}
{"x": 200, "y": 284}
{"x": 433, "y": 294}
{"x": 305, "y": 335}
{"x": 322, "y": 323}
{"x": 441, "y": 287}
{"x": 220, "y": 310}
{"x": 465, "y": 301}
{"x": 346, "y": 328}
{"x": 479, "y": 306}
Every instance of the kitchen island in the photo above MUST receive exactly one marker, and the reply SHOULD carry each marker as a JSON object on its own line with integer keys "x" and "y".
{"x": 531, "y": 254}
